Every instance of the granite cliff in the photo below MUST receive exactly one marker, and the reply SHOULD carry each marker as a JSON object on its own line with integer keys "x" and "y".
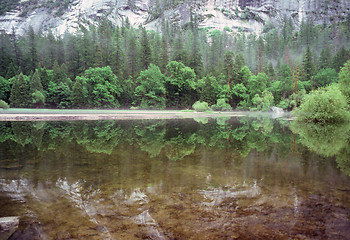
{"x": 237, "y": 15}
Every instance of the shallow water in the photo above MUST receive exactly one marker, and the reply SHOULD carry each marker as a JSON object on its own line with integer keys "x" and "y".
{"x": 239, "y": 178}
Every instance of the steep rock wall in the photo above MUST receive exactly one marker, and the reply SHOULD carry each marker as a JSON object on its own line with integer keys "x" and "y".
{"x": 238, "y": 15}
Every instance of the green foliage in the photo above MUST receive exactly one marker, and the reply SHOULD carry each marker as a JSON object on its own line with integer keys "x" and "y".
{"x": 326, "y": 140}
{"x": 150, "y": 94}
{"x": 79, "y": 93}
{"x": 4, "y": 104}
{"x": 20, "y": 92}
{"x": 344, "y": 80}
{"x": 200, "y": 106}
{"x": 221, "y": 105}
{"x": 263, "y": 102}
{"x": 180, "y": 85}
{"x": 209, "y": 89}
{"x": 58, "y": 95}
{"x": 102, "y": 88}
{"x": 326, "y": 105}
{"x": 38, "y": 98}
{"x": 5, "y": 88}
{"x": 324, "y": 77}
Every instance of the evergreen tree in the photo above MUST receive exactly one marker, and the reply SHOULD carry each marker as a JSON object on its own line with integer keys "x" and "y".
{"x": 79, "y": 93}
{"x": 325, "y": 60}
{"x": 179, "y": 53}
{"x": 5, "y": 59}
{"x": 146, "y": 54}
{"x": 195, "y": 61}
{"x": 60, "y": 51}
{"x": 119, "y": 56}
{"x": 36, "y": 90}
{"x": 260, "y": 56}
{"x": 308, "y": 67}
{"x": 33, "y": 51}
{"x": 340, "y": 57}
{"x": 228, "y": 67}
{"x": 20, "y": 93}
{"x": 73, "y": 58}
{"x": 18, "y": 55}
{"x": 52, "y": 49}
{"x": 132, "y": 64}
{"x": 165, "y": 56}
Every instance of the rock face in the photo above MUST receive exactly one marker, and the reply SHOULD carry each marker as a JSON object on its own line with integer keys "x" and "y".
{"x": 236, "y": 15}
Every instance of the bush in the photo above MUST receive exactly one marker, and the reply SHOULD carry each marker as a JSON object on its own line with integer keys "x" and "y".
{"x": 221, "y": 105}
{"x": 200, "y": 106}
{"x": 3, "y": 104}
{"x": 325, "y": 105}
{"x": 344, "y": 80}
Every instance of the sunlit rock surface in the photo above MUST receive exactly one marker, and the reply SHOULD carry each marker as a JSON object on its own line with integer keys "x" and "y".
{"x": 235, "y": 15}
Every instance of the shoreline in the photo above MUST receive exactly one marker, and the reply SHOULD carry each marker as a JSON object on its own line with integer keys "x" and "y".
{"x": 95, "y": 115}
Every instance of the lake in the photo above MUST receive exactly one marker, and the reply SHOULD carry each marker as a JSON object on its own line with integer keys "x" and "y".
{"x": 224, "y": 178}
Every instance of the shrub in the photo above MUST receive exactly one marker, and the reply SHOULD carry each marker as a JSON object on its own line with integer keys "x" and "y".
{"x": 200, "y": 106}
{"x": 221, "y": 105}
{"x": 325, "y": 105}
{"x": 3, "y": 104}
{"x": 344, "y": 80}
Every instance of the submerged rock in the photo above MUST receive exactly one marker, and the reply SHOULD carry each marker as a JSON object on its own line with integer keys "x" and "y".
{"x": 8, "y": 225}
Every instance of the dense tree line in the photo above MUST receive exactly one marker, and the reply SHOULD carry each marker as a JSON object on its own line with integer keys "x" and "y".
{"x": 109, "y": 67}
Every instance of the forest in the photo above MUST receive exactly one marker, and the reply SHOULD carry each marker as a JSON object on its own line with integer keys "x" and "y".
{"x": 108, "y": 66}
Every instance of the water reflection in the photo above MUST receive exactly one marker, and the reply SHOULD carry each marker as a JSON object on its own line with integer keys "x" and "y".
{"x": 326, "y": 140}
{"x": 175, "y": 179}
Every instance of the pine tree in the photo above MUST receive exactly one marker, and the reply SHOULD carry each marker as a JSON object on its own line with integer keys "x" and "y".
{"x": 33, "y": 57}
{"x": 325, "y": 60}
{"x": 260, "y": 56}
{"x": 18, "y": 55}
{"x": 36, "y": 90}
{"x": 340, "y": 57}
{"x": 308, "y": 66}
{"x": 179, "y": 53}
{"x": 52, "y": 49}
{"x": 132, "y": 64}
{"x": 196, "y": 57}
{"x": 60, "y": 51}
{"x": 228, "y": 66}
{"x": 165, "y": 56}
{"x": 79, "y": 93}
{"x": 146, "y": 54}
{"x": 5, "y": 55}
{"x": 119, "y": 56}
{"x": 20, "y": 92}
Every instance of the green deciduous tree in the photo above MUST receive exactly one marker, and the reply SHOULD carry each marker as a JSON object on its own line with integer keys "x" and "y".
{"x": 102, "y": 88}
{"x": 324, "y": 77}
{"x": 344, "y": 80}
{"x": 150, "y": 92}
{"x": 180, "y": 85}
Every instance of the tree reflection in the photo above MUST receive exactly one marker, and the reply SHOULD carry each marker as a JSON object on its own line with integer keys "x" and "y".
{"x": 326, "y": 140}
{"x": 172, "y": 139}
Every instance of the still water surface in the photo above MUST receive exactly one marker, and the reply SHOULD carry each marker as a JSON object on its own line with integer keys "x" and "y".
{"x": 239, "y": 178}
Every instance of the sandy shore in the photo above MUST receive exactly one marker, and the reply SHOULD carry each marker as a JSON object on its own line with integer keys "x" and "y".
{"x": 71, "y": 115}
